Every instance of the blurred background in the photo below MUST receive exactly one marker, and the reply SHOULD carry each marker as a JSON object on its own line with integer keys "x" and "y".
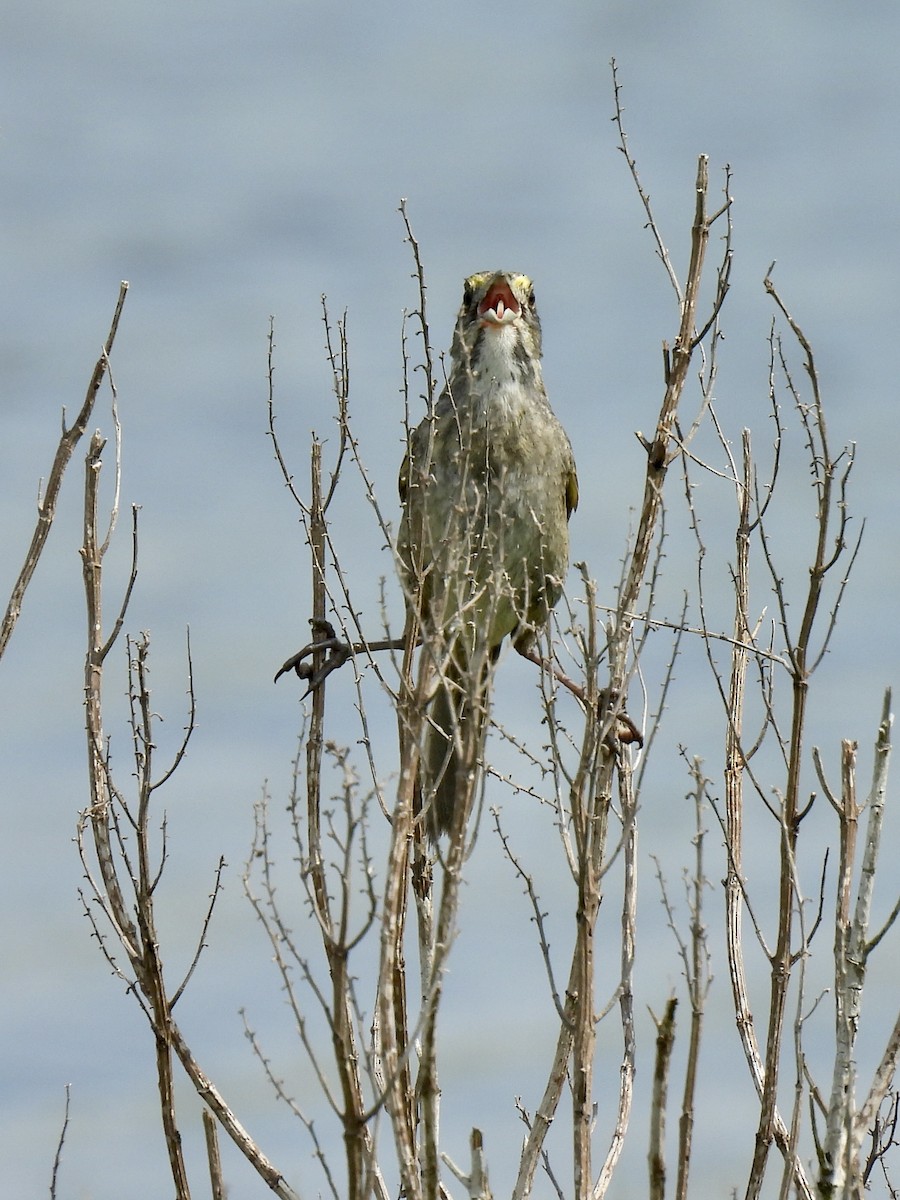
{"x": 237, "y": 161}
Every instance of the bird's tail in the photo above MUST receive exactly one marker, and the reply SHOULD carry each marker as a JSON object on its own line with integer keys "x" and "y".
{"x": 453, "y": 742}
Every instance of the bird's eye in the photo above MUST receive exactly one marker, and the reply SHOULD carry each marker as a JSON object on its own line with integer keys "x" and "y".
{"x": 468, "y": 293}
{"x": 531, "y": 298}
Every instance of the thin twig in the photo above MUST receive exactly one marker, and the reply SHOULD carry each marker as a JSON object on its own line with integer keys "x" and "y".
{"x": 57, "y": 1157}
{"x": 47, "y": 504}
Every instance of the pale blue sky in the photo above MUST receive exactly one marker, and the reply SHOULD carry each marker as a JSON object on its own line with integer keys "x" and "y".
{"x": 237, "y": 160}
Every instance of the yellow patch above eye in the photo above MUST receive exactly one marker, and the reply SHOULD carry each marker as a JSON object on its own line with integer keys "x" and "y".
{"x": 477, "y": 284}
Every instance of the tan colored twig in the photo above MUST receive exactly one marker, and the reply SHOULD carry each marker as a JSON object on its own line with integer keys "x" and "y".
{"x": 358, "y": 1144}
{"x": 693, "y": 951}
{"x": 47, "y": 504}
{"x": 628, "y": 803}
{"x": 218, "y": 1190}
{"x": 387, "y": 1065}
{"x": 656, "y": 1154}
{"x": 736, "y": 765}
{"x": 591, "y": 784}
{"x": 475, "y": 1180}
{"x": 133, "y": 921}
{"x": 57, "y": 1157}
{"x": 830, "y": 481}
{"x": 841, "y": 1157}
{"x": 697, "y": 973}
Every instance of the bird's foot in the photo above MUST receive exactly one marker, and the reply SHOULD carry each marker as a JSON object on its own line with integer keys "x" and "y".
{"x": 324, "y": 639}
{"x": 622, "y": 730}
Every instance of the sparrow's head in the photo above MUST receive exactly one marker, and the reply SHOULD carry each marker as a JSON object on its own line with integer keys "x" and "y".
{"x": 497, "y": 304}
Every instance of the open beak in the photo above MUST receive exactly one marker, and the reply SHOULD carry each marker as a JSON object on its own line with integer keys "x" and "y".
{"x": 499, "y": 307}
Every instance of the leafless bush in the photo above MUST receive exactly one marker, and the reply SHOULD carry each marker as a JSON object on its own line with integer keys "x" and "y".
{"x": 367, "y": 894}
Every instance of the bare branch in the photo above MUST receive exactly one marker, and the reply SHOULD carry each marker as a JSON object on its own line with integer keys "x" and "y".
{"x": 656, "y": 1156}
{"x": 644, "y": 197}
{"x": 538, "y": 914}
{"x": 57, "y": 1158}
{"x": 217, "y": 1183}
{"x": 204, "y": 929}
{"x": 47, "y": 504}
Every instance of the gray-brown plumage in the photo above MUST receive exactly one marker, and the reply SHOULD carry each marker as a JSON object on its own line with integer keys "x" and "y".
{"x": 487, "y": 486}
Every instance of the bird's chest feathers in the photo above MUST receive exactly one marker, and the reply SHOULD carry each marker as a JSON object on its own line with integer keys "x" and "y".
{"x": 507, "y": 398}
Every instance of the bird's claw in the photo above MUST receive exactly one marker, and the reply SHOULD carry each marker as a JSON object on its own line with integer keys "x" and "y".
{"x": 623, "y": 730}
{"x": 324, "y": 639}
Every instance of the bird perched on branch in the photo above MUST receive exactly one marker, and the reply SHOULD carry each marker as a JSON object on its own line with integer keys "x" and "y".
{"x": 488, "y": 485}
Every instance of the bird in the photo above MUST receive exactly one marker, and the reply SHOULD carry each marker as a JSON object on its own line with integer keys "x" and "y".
{"x": 487, "y": 485}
